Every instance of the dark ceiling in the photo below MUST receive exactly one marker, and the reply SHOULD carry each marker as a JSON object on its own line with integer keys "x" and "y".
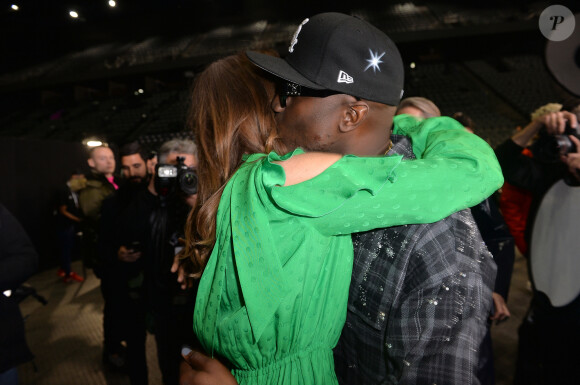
{"x": 52, "y": 63}
{"x": 42, "y": 29}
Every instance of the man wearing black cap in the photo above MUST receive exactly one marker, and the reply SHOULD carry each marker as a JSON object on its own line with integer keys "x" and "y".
{"x": 420, "y": 294}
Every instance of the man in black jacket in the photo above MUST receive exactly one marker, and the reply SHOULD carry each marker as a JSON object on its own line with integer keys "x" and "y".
{"x": 119, "y": 261}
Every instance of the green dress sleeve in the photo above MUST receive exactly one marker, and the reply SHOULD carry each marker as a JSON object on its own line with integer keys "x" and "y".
{"x": 454, "y": 170}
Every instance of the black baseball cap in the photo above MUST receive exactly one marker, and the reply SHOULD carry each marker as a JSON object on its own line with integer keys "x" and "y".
{"x": 338, "y": 52}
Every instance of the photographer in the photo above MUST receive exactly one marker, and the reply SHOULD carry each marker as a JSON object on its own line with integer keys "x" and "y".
{"x": 549, "y": 335}
{"x": 150, "y": 227}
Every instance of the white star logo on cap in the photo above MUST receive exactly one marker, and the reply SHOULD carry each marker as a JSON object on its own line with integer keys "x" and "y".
{"x": 374, "y": 61}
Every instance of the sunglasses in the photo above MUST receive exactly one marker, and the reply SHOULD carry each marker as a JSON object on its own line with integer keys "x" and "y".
{"x": 293, "y": 89}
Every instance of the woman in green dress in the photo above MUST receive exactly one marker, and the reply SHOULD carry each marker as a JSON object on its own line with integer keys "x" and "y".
{"x": 270, "y": 235}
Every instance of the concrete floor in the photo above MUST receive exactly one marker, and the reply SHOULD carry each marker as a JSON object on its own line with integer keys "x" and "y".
{"x": 66, "y": 335}
{"x": 505, "y": 335}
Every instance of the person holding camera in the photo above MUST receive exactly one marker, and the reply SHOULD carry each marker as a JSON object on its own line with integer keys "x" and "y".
{"x": 549, "y": 335}
{"x": 148, "y": 234}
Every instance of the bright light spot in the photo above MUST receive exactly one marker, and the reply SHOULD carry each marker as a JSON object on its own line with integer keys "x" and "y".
{"x": 412, "y": 65}
{"x": 73, "y": 14}
{"x": 112, "y": 3}
{"x": 7, "y": 293}
{"x": 93, "y": 142}
{"x": 14, "y": 7}
{"x": 374, "y": 61}
{"x": 140, "y": 90}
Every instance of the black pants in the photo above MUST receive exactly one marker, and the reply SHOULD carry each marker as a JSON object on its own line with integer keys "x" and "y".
{"x": 67, "y": 239}
{"x": 136, "y": 337}
{"x": 124, "y": 319}
{"x": 173, "y": 327}
{"x": 549, "y": 344}
{"x": 114, "y": 296}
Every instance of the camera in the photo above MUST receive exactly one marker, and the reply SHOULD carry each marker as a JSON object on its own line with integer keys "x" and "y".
{"x": 551, "y": 147}
{"x": 564, "y": 143}
{"x": 175, "y": 178}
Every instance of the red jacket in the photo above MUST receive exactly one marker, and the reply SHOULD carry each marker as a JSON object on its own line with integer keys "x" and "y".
{"x": 514, "y": 204}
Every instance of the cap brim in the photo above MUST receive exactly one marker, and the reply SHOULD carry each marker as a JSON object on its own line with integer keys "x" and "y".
{"x": 281, "y": 69}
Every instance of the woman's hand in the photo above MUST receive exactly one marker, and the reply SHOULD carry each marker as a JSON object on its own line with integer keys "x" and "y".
{"x": 199, "y": 369}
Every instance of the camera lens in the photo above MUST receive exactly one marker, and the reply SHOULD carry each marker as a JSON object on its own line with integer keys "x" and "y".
{"x": 188, "y": 181}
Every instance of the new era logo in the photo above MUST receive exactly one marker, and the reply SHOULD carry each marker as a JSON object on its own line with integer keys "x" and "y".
{"x": 343, "y": 77}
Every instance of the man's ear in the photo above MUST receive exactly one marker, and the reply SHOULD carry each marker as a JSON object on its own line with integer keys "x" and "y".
{"x": 354, "y": 115}
{"x": 91, "y": 162}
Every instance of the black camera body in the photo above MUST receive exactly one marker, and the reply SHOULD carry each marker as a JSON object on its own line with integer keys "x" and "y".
{"x": 551, "y": 147}
{"x": 564, "y": 143}
{"x": 175, "y": 178}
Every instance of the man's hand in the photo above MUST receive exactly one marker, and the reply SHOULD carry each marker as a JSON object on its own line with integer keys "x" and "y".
{"x": 501, "y": 311}
{"x": 199, "y": 369}
{"x": 128, "y": 255}
{"x": 178, "y": 268}
{"x": 555, "y": 122}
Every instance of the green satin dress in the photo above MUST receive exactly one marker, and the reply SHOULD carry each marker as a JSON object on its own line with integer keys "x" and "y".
{"x": 273, "y": 297}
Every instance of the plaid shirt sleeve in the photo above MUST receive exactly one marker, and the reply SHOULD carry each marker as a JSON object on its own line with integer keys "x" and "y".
{"x": 418, "y": 305}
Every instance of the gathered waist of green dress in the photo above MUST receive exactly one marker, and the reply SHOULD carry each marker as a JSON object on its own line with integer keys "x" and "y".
{"x": 312, "y": 366}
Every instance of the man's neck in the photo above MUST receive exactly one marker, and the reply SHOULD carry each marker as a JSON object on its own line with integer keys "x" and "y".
{"x": 373, "y": 136}
{"x": 379, "y": 146}
{"x": 386, "y": 148}
{"x": 368, "y": 140}
{"x": 100, "y": 174}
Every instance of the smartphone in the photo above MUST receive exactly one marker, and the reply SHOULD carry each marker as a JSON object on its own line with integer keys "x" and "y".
{"x": 135, "y": 246}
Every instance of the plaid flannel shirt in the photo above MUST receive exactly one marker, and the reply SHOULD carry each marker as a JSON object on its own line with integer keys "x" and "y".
{"x": 418, "y": 303}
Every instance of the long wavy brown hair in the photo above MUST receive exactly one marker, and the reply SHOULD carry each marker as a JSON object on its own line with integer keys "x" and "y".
{"x": 230, "y": 115}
